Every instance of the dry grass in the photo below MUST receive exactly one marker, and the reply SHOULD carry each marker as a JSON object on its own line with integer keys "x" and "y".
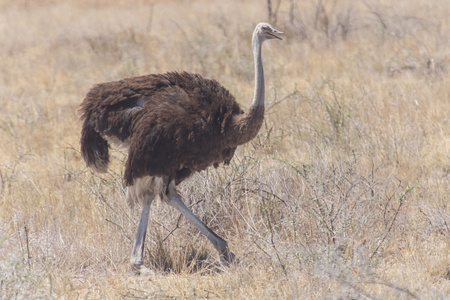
{"x": 344, "y": 194}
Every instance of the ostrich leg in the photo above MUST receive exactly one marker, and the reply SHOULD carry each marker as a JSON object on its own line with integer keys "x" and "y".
{"x": 174, "y": 199}
{"x": 137, "y": 253}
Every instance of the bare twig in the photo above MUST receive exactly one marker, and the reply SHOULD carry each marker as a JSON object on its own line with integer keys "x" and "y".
{"x": 273, "y": 12}
{"x": 395, "y": 287}
{"x": 173, "y": 230}
{"x": 28, "y": 247}
{"x": 272, "y": 242}
{"x": 2, "y": 183}
{"x": 120, "y": 227}
{"x": 401, "y": 199}
{"x": 291, "y": 11}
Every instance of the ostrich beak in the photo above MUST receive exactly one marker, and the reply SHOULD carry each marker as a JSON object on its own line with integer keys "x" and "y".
{"x": 274, "y": 34}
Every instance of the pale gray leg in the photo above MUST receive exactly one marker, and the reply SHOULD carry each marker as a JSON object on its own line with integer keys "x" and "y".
{"x": 137, "y": 254}
{"x": 175, "y": 200}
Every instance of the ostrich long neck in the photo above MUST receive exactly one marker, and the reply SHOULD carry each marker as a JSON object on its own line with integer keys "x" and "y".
{"x": 258, "y": 98}
{"x": 246, "y": 126}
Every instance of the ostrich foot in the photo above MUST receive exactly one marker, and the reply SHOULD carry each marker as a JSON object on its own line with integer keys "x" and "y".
{"x": 143, "y": 271}
{"x": 228, "y": 259}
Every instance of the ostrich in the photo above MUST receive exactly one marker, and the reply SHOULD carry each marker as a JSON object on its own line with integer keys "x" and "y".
{"x": 173, "y": 125}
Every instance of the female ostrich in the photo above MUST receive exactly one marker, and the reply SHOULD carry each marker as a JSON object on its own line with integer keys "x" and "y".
{"x": 173, "y": 125}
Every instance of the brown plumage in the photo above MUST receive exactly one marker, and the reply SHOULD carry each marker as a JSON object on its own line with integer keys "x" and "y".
{"x": 173, "y": 124}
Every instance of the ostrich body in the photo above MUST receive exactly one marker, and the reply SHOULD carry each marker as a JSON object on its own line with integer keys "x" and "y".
{"x": 173, "y": 125}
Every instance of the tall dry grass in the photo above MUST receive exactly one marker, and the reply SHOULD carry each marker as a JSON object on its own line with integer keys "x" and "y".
{"x": 344, "y": 194}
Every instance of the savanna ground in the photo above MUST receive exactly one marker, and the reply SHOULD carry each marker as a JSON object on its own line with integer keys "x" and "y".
{"x": 344, "y": 194}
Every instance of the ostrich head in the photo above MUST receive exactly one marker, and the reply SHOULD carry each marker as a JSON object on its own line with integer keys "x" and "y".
{"x": 265, "y": 31}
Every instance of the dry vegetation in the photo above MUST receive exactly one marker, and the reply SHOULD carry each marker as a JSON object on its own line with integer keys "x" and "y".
{"x": 344, "y": 194}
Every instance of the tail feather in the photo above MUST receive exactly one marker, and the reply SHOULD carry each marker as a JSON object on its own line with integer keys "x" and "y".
{"x": 94, "y": 149}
